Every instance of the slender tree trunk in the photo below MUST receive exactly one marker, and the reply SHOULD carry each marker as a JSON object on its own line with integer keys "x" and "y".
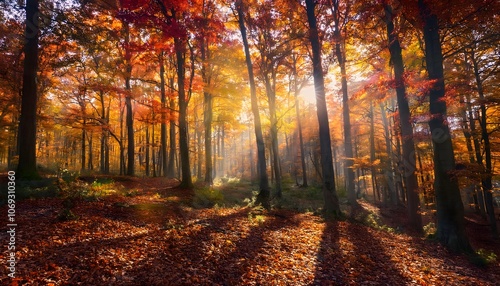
{"x": 83, "y": 139}
{"x": 128, "y": 105}
{"x": 470, "y": 150}
{"x": 153, "y": 156}
{"x": 172, "y": 142}
{"x": 222, "y": 167}
{"x": 483, "y": 122}
{"x": 91, "y": 154}
{"x": 450, "y": 210}
{"x": 389, "y": 173}
{"x": 408, "y": 145}
{"x": 186, "y": 181}
{"x": 373, "y": 170}
{"x": 252, "y": 159}
{"x": 26, "y": 168}
{"x": 264, "y": 192}
{"x": 271, "y": 96}
{"x": 207, "y": 115}
{"x": 351, "y": 192}
{"x": 477, "y": 152}
{"x": 299, "y": 125}
{"x": 163, "y": 135}
{"x": 329, "y": 193}
{"x": 122, "y": 140}
{"x": 147, "y": 151}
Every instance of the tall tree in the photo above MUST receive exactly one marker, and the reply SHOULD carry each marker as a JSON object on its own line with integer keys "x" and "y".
{"x": 296, "y": 89}
{"x": 27, "y": 121}
{"x": 177, "y": 30}
{"x": 264, "y": 193}
{"x": 163, "y": 135}
{"x": 129, "y": 121}
{"x": 450, "y": 210}
{"x": 332, "y": 206}
{"x": 408, "y": 145}
{"x": 341, "y": 57}
{"x": 483, "y": 123}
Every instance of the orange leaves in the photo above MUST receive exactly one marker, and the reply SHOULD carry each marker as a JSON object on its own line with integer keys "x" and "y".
{"x": 151, "y": 240}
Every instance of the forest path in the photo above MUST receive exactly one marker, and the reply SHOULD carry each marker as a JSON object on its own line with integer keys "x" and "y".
{"x": 155, "y": 237}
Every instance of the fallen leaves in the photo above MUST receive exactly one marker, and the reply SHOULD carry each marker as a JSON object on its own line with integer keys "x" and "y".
{"x": 163, "y": 242}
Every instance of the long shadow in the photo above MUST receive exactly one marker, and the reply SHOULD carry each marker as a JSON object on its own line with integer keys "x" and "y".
{"x": 180, "y": 263}
{"x": 364, "y": 261}
{"x": 165, "y": 249}
{"x": 370, "y": 264}
{"x": 235, "y": 265}
{"x": 330, "y": 267}
{"x": 194, "y": 265}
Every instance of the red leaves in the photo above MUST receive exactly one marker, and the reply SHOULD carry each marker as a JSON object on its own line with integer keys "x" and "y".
{"x": 155, "y": 238}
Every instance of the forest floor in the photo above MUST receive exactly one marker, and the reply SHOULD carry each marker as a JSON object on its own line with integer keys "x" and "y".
{"x": 150, "y": 233}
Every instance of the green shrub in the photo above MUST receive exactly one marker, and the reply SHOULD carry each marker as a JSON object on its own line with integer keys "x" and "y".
{"x": 207, "y": 197}
{"x": 66, "y": 215}
{"x": 483, "y": 257}
{"x": 430, "y": 230}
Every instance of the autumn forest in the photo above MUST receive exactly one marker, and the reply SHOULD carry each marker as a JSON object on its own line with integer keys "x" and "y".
{"x": 249, "y": 142}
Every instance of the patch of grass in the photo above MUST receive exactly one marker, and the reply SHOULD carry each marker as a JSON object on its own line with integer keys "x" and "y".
{"x": 309, "y": 199}
{"x": 207, "y": 197}
{"x": 237, "y": 192}
{"x": 373, "y": 220}
{"x": 36, "y": 192}
{"x": 483, "y": 258}
{"x": 256, "y": 215}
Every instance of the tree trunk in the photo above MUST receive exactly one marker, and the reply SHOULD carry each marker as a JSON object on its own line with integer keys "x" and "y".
{"x": 163, "y": 135}
{"x": 450, "y": 210}
{"x": 477, "y": 152}
{"x": 389, "y": 173}
{"x": 147, "y": 150}
{"x": 408, "y": 145}
{"x": 271, "y": 96}
{"x": 91, "y": 157}
{"x": 373, "y": 170}
{"x": 332, "y": 206}
{"x": 486, "y": 181}
{"x": 129, "y": 120}
{"x": 264, "y": 193}
{"x": 207, "y": 116}
{"x": 83, "y": 159}
{"x": 186, "y": 181}
{"x": 153, "y": 156}
{"x": 351, "y": 192}
{"x": 299, "y": 125}
{"x": 26, "y": 168}
{"x": 172, "y": 142}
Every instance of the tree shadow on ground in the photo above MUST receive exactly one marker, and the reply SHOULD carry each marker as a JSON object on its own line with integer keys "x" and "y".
{"x": 232, "y": 261}
{"x": 344, "y": 259}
